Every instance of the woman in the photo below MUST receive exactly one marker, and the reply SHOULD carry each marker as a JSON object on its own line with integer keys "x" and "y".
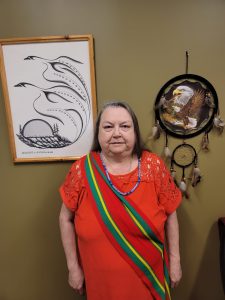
{"x": 120, "y": 198}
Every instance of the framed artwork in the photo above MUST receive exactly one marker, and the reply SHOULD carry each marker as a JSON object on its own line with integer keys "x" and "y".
{"x": 186, "y": 105}
{"x": 50, "y": 96}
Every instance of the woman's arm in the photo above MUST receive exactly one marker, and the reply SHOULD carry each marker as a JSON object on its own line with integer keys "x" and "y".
{"x": 76, "y": 276}
{"x": 172, "y": 235}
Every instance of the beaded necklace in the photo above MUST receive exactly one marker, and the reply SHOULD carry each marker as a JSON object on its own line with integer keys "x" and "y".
{"x": 113, "y": 186}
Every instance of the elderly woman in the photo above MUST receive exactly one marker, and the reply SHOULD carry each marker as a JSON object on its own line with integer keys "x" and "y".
{"x": 117, "y": 203}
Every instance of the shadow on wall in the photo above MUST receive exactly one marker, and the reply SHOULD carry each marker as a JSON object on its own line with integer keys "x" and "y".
{"x": 209, "y": 270}
{"x": 201, "y": 270}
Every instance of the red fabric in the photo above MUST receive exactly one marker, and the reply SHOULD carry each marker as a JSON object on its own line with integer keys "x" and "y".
{"x": 107, "y": 274}
{"x": 129, "y": 229}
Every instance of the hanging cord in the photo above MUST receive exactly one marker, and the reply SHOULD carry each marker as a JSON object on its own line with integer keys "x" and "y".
{"x": 187, "y": 61}
{"x": 166, "y": 140}
{"x": 167, "y": 151}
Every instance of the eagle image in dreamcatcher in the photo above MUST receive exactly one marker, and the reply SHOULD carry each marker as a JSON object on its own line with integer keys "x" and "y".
{"x": 186, "y": 106}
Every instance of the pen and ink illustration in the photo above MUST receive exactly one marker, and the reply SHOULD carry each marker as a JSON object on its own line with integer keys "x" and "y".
{"x": 49, "y": 92}
{"x": 62, "y": 110}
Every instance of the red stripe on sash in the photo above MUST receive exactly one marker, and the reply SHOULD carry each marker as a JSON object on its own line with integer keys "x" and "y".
{"x": 133, "y": 234}
{"x": 129, "y": 229}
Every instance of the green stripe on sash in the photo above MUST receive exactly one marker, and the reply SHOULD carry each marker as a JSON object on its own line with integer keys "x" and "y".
{"x": 118, "y": 235}
{"x": 143, "y": 226}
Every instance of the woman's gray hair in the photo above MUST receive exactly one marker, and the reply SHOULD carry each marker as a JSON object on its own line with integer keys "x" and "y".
{"x": 138, "y": 147}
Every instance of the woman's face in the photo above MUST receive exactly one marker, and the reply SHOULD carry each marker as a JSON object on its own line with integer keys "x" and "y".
{"x": 116, "y": 131}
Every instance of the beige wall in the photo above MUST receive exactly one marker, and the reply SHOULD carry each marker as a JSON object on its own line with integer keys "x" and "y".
{"x": 139, "y": 45}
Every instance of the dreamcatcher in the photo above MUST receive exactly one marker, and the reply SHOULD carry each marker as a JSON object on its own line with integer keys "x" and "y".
{"x": 186, "y": 106}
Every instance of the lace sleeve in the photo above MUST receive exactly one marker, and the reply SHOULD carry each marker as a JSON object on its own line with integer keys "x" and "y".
{"x": 169, "y": 194}
{"x": 71, "y": 189}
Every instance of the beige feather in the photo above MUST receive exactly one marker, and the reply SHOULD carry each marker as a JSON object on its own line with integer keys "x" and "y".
{"x": 205, "y": 143}
{"x": 183, "y": 188}
{"x": 218, "y": 124}
{"x": 155, "y": 132}
{"x": 167, "y": 152}
{"x": 196, "y": 177}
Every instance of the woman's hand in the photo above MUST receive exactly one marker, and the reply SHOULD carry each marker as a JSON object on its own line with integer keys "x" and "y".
{"x": 172, "y": 234}
{"x": 76, "y": 279}
{"x": 76, "y": 275}
{"x": 175, "y": 272}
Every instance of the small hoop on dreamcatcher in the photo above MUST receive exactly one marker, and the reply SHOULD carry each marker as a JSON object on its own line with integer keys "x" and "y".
{"x": 184, "y": 156}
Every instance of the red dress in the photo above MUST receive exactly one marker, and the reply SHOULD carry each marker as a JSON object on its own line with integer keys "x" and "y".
{"x": 107, "y": 274}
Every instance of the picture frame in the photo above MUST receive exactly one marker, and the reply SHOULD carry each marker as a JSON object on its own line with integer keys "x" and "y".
{"x": 50, "y": 96}
{"x": 186, "y": 105}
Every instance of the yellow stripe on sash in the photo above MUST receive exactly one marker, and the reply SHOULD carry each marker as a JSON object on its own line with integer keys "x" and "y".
{"x": 168, "y": 289}
{"x": 153, "y": 242}
{"x": 118, "y": 231}
{"x": 143, "y": 230}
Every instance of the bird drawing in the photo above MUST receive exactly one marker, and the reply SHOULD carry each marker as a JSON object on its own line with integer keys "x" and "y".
{"x": 61, "y": 112}
{"x": 186, "y": 106}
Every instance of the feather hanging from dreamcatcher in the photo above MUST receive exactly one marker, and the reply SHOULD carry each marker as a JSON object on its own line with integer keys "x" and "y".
{"x": 196, "y": 176}
{"x": 183, "y": 185}
{"x": 167, "y": 151}
{"x": 156, "y": 131}
{"x": 218, "y": 123}
{"x": 205, "y": 142}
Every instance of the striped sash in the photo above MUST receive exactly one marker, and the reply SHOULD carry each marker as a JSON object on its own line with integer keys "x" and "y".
{"x": 128, "y": 229}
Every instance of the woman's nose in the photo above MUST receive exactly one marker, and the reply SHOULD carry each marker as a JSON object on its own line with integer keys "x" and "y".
{"x": 116, "y": 131}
